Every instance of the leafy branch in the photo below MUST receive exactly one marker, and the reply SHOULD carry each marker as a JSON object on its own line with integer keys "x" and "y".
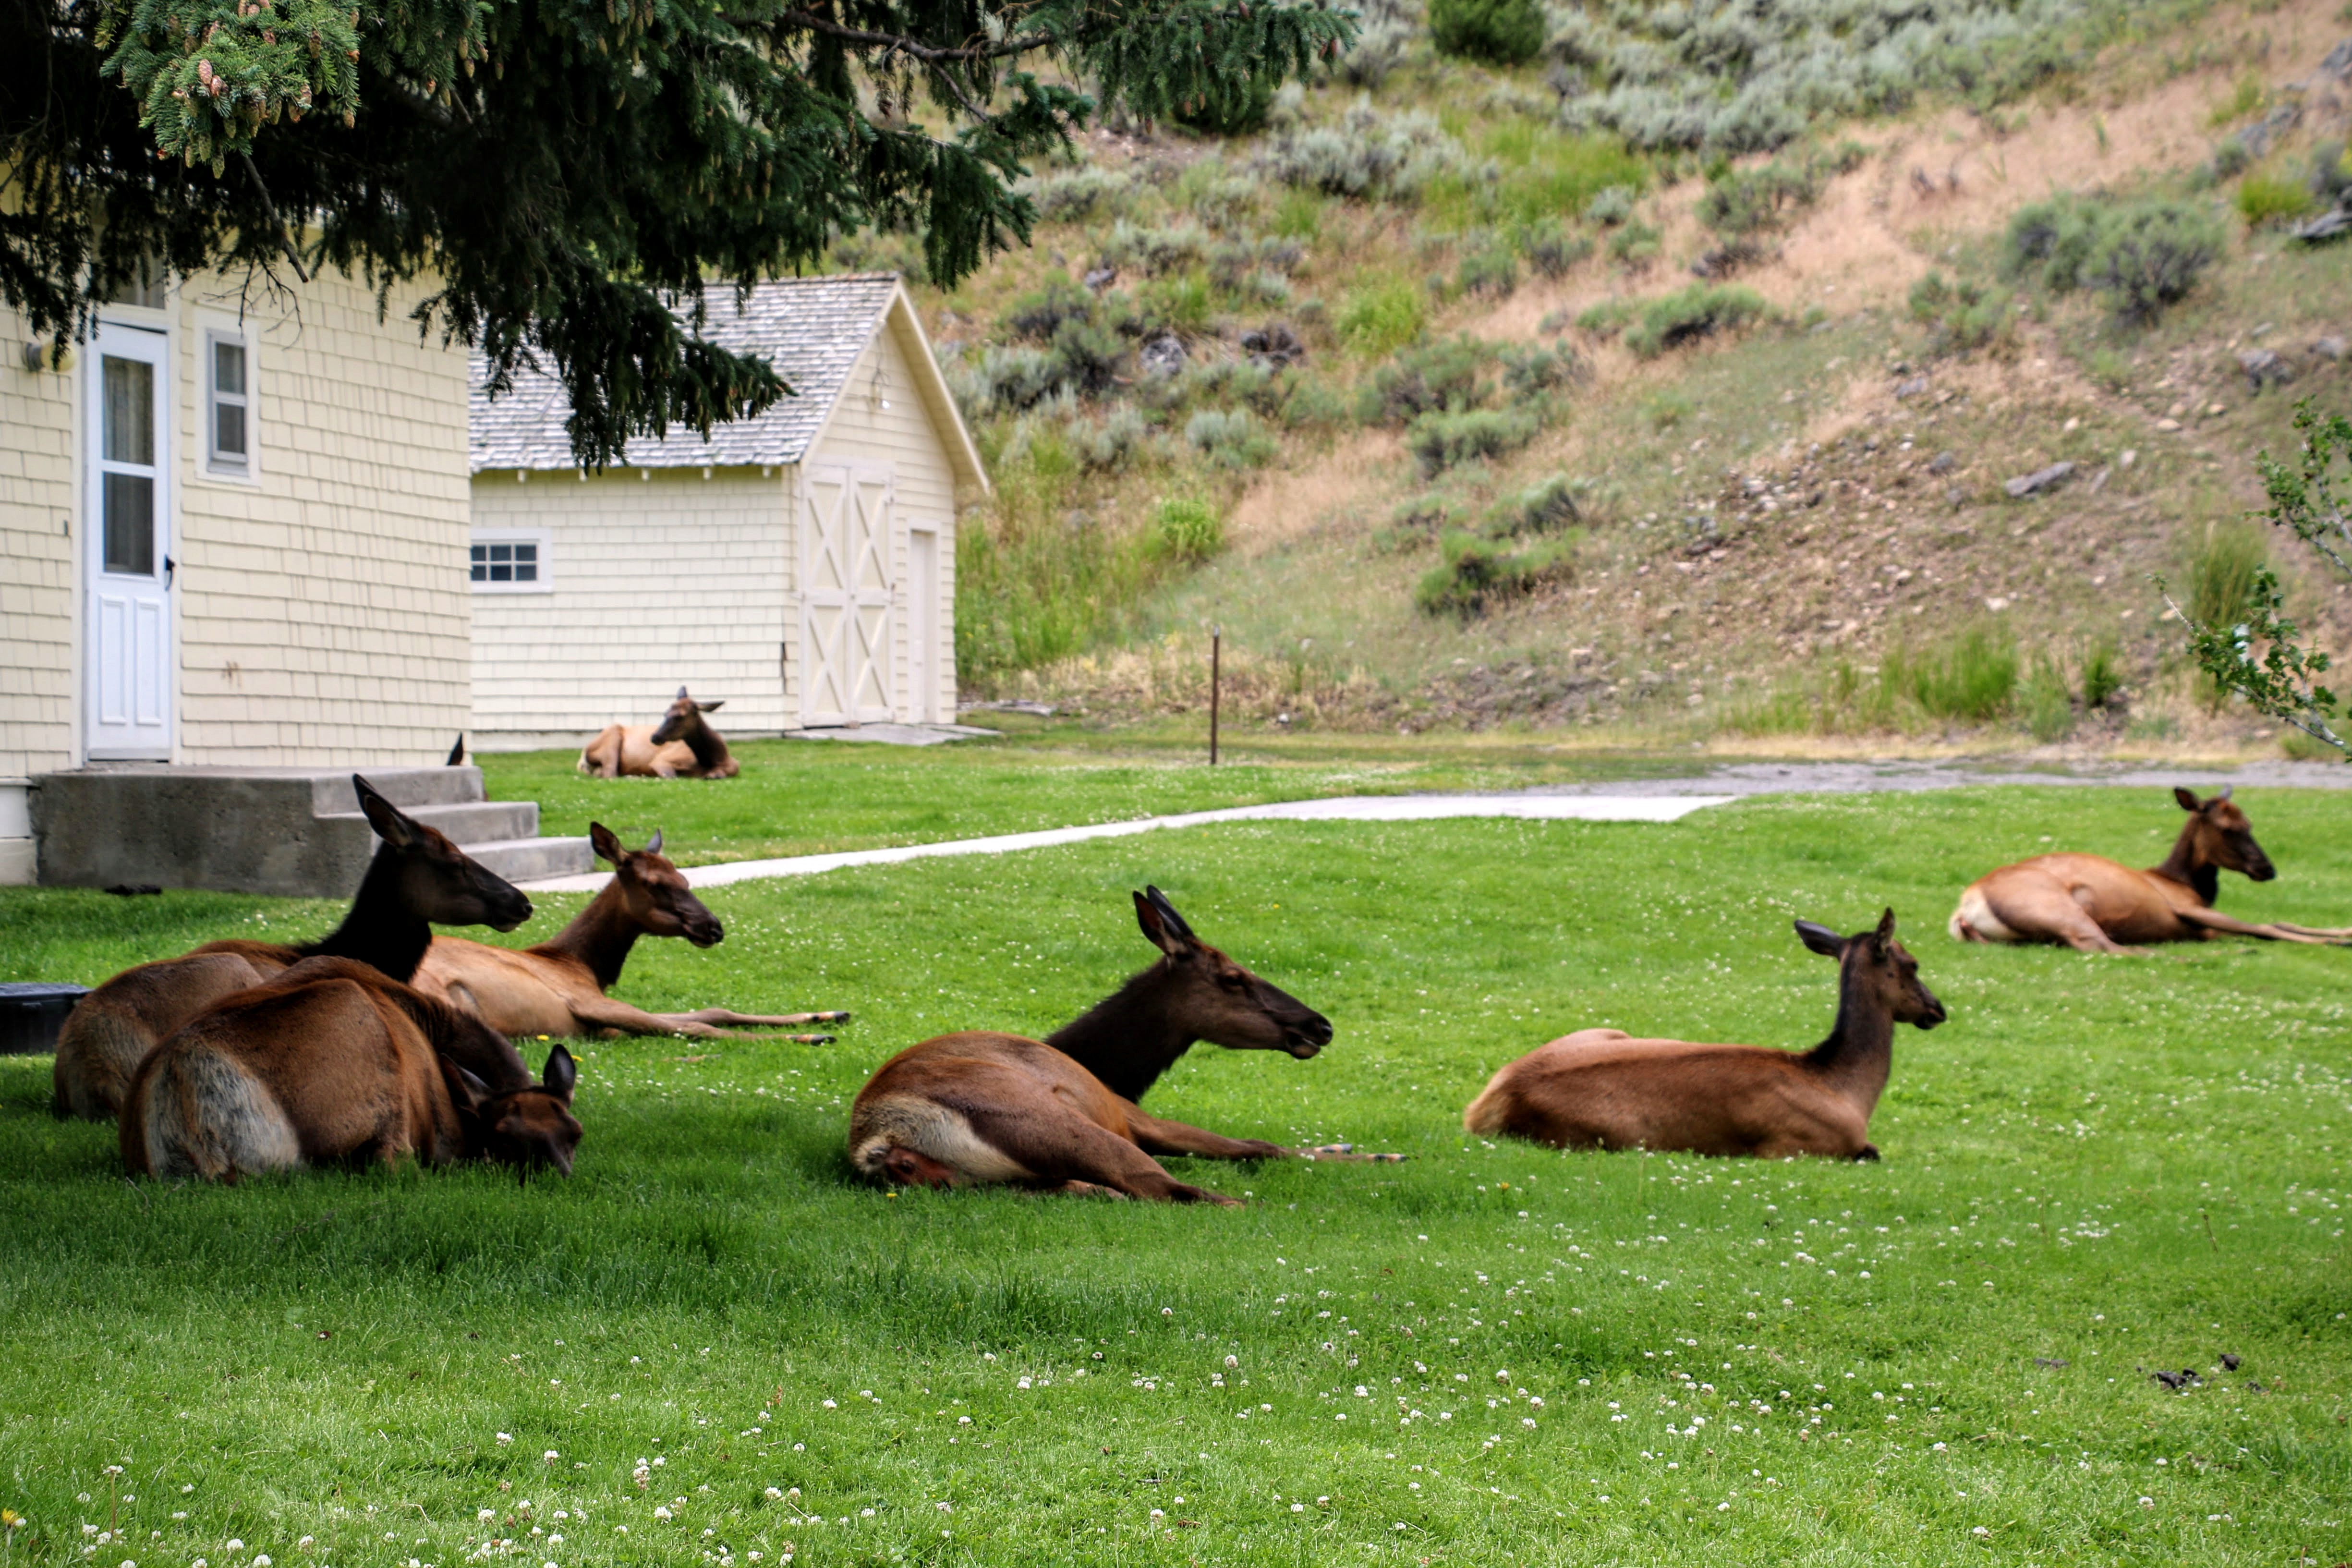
{"x": 2262, "y": 657}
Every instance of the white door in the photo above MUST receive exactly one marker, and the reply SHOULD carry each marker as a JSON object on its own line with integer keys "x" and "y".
{"x": 922, "y": 624}
{"x": 127, "y": 540}
{"x": 845, "y": 597}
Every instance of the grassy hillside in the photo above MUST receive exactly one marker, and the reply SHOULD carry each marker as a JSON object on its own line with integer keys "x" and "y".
{"x": 1666, "y": 386}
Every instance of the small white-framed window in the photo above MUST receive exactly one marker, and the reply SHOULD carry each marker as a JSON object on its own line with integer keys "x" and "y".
{"x": 229, "y": 435}
{"x": 512, "y": 561}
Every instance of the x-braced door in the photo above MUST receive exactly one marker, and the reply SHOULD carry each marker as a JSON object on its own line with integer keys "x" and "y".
{"x": 847, "y": 671}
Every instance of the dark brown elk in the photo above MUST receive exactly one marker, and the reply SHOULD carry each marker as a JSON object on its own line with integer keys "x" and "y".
{"x": 682, "y": 746}
{"x": 2095, "y": 905}
{"x": 557, "y": 988}
{"x": 981, "y": 1108}
{"x": 330, "y": 1063}
{"x": 418, "y": 877}
{"x": 1602, "y": 1089}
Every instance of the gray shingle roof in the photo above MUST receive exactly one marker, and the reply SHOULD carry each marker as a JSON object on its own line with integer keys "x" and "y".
{"x": 811, "y": 329}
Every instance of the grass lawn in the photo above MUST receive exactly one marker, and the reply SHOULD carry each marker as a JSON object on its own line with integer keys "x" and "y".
{"x": 2109, "y": 1165}
{"x": 801, "y": 797}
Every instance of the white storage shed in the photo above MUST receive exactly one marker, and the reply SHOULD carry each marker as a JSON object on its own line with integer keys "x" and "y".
{"x": 800, "y": 566}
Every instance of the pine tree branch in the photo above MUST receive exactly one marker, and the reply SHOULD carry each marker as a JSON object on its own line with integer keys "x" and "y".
{"x": 900, "y": 43}
{"x": 276, "y": 225}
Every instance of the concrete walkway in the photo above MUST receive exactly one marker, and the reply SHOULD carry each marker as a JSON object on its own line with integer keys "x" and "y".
{"x": 1661, "y": 807}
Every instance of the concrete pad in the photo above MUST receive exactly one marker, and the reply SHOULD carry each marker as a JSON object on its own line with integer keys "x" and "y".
{"x": 897, "y": 734}
{"x": 1343, "y": 808}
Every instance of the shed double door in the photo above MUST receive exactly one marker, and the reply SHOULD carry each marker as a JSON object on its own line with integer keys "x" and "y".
{"x": 848, "y": 597}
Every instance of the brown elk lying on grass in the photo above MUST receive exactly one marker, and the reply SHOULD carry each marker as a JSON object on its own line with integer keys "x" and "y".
{"x": 331, "y": 1063}
{"x": 557, "y": 987}
{"x": 1602, "y": 1089}
{"x": 416, "y": 877}
{"x": 2095, "y": 905}
{"x": 682, "y": 746}
{"x": 979, "y": 1107}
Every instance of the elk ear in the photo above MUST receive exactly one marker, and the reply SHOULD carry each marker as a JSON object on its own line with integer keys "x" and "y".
{"x": 710, "y": 707}
{"x": 384, "y": 816}
{"x": 1819, "y": 939}
{"x": 652, "y": 845}
{"x": 560, "y": 1074}
{"x": 1158, "y": 930}
{"x": 681, "y": 694}
{"x": 2188, "y": 798}
{"x": 457, "y": 752}
{"x": 607, "y": 846}
{"x": 1168, "y": 912}
{"x": 466, "y": 1092}
{"x": 2225, "y": 792}
{"x": 1885, "y": 931}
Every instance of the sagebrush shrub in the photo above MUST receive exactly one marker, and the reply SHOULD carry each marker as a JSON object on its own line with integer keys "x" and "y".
{"x": 1229, "y": 439}
{"x": 1447, "y": 374}
{"x": 1477, "y": 573}
{"x": 1688, "y": 314}
{"x": 1533, "y": 369}
{"x": 1505, "y": 32}
{"x": 2151, "y": 255}
{"x": 1962, "y": 316}
{"x": 1441, "y": 440}
{"x": 1367, "y": 154}
{"x": 1489, "y": 268}
{"x": 2050, "y": 241}
{"x": 1545, "y": 507}
{"x": 1155, "y": 252}
{"x": 1612, "y": 205}
{"x": 1081, "y": 194}
{"x": 1553, "y": 249}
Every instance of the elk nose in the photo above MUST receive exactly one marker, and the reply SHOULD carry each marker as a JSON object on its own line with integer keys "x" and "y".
{"x": 1314, "y": 1032}
{"x": 706, "y": 932}
{"x": 2261, "y": 870}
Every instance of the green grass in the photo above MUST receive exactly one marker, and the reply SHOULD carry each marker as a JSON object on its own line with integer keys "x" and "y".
{"x": 801, "y": 797}
{"x": 2115, "y": 1164}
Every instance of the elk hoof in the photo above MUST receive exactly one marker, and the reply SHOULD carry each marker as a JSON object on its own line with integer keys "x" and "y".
{"x": 1869, "y": 1153}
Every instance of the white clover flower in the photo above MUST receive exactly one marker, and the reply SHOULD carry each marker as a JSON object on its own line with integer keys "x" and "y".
{"x": 829, "y": 1405}
{"x": 661, "y": 1513}
{"x": 506, "y": 1437}
{"x": 1980, "y": 1530}
{"x": 234, "y": 1544}
{"x": 305, "y": 1544}
{"x": 551, "y": 1456}
{"x": 1155, "y": 1513}
{"x": 774, "y": 1495}
{"x": 865, "y": 1513}
{"x": 1298, "y": 1507}
{"x": 261, "y": 1559}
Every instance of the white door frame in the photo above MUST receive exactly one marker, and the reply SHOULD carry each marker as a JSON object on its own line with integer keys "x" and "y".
{"x": 128, "y": 652}
{"x": 922, "y": 622}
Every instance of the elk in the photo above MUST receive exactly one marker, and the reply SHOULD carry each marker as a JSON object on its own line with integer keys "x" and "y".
{"x": 557, "y": 987}
{"x": 2095, "y": 905}
{"x": 1602, "y": 1089}
{"x": 416, "y": 877}
{"x": 1059, "y": 1114}
{"x": 331, "y": 1063}
{"x": 682, "y": 746}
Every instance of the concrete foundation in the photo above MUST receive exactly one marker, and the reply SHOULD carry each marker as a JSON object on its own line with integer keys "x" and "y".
{"x": 292, "y": 832}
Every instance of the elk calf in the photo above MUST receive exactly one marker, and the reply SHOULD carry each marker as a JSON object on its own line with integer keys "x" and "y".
{"x": 980, "y": 1107}
{"x": 2095, "y": 905}
{"x": 416, "y": 878}
{"x": 331, "y": 1063}
{"x": 682, "y": 746}
{"x": 557, "y": 987}
{"x": 1602, "y": 1089}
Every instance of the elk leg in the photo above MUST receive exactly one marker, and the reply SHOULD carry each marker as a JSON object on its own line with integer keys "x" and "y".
{"x": 755, "y": 1020}
{"x": 607, "y": 1013}
{"x": 2054, "y": 916}
{"x": 2336, "y": 933}
{"x": 1060, "y": 1146}
{"x": 1158, "y": 1136}
{"x": 2214, "y": 920}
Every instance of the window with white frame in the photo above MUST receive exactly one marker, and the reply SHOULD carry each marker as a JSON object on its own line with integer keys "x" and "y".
{"x": 228, "y": 402}
{"x": 512, "y": 561}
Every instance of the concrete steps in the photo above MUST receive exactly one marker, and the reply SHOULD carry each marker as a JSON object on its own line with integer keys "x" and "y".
{"x": 297, "y": 832}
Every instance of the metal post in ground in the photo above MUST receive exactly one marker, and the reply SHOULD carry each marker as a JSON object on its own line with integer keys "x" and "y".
{"x": 1216, "y": 653}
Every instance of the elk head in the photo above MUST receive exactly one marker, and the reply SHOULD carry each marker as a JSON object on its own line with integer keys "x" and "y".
{"x": 2219, "y": 835}
{"x": 654, "y": 893}
{"x": 1219, "y": 1001}
{"x": 684, "y": 718}
{"x": 436, "y": 879}
{"x": 526, "y": 1129}
{"x": 1881, "y": 966}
